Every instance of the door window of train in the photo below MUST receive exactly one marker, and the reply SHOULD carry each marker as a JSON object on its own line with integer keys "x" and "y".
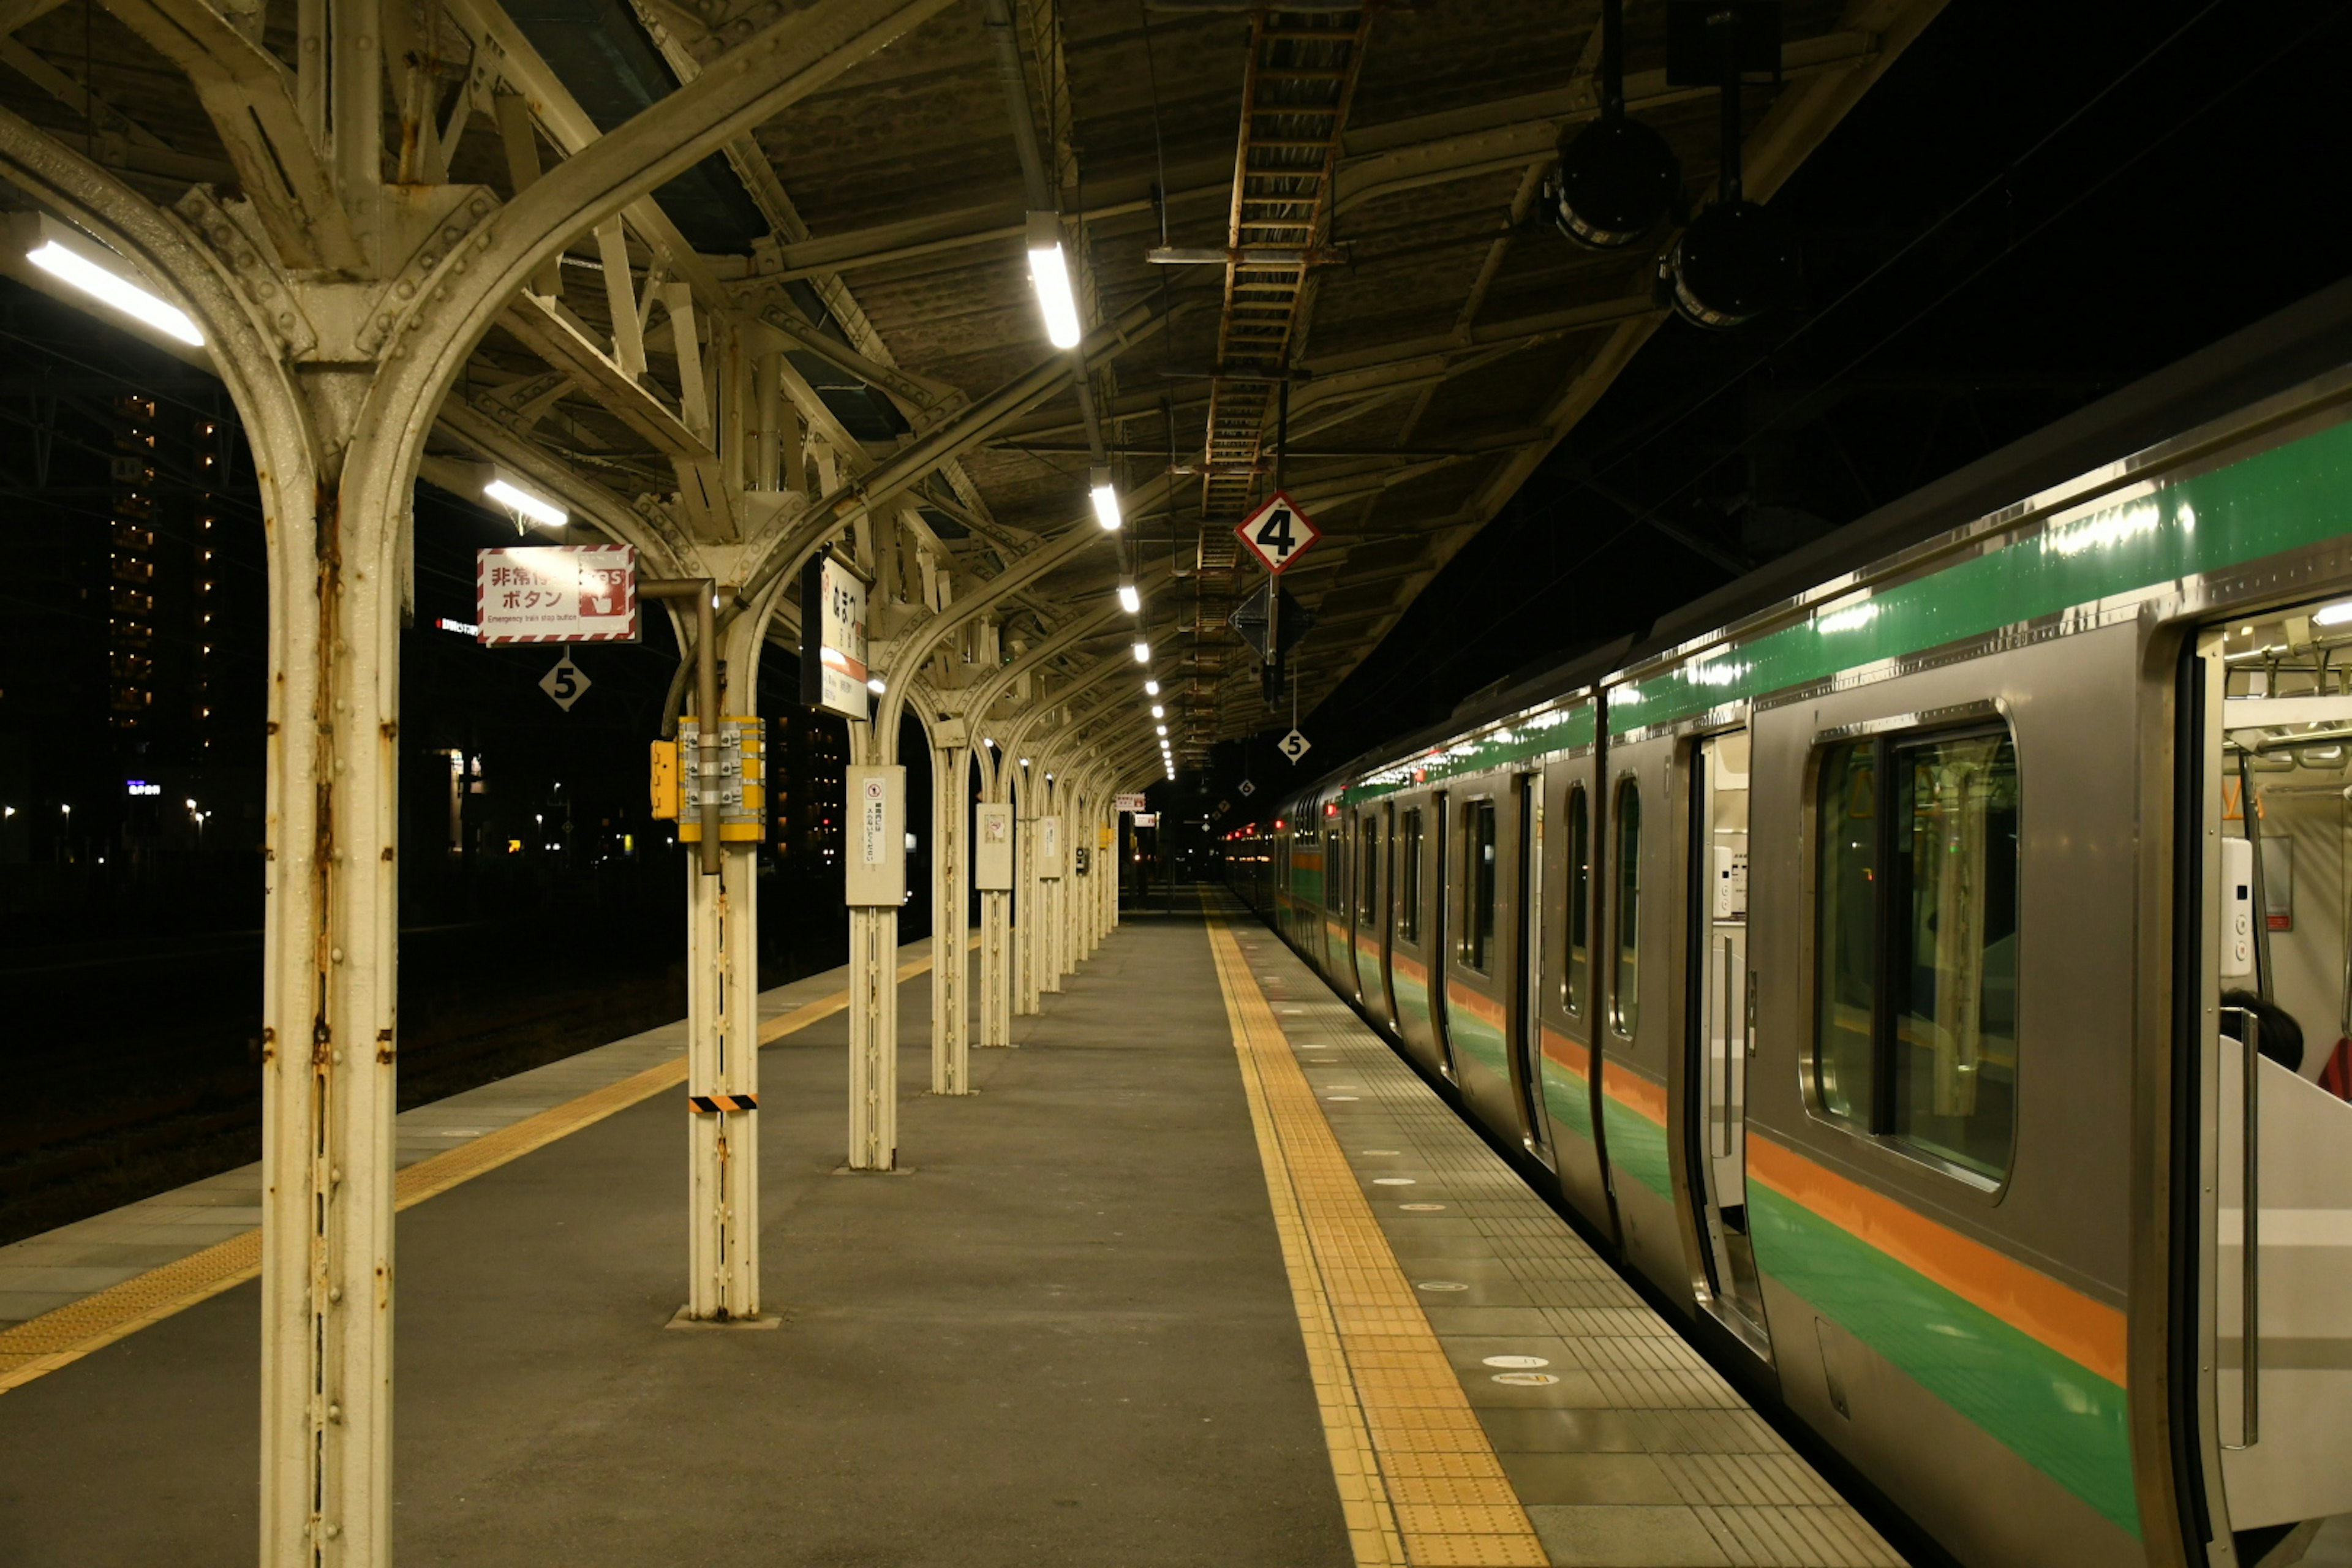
{"x": 1579, "y": 902}
{"x": 1915, "y": 1024}
{"x": 1368, "y": 872}
{"x": 1478, "y": 852}
{"x": 1409, "y": 860}
{"x": 1624, "y": 986}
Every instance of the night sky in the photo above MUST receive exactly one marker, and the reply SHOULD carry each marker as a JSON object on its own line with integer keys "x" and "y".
{"x": 2035, "y": 205}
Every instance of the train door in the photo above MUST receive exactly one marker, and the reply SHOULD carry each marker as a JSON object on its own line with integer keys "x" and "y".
{"x": 1720, "y": 1038}
{"x": 1527, "y": 960}
{"x": 1386, "y": 914}
{"x": 2263, "y": 1303}
{"x": 1440, "y": 895}
{"x": 1370, "y": 898}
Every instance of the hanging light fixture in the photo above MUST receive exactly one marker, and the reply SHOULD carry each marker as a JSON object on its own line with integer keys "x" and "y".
{"x": 1616, "y": 179}
{"x": 1104, "y": 495}
{"x": 84, "y": 264}
{"x": 524, "y": 504}
{"x": 1129, "y": 599}
{"x": 1737, "y": 258}
{"x": 1049, "y": 274}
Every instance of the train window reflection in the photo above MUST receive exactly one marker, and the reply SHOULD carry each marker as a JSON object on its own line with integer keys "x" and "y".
{"x": 1954, "y": 1088}
{"x": 1334, "y": 872}
{"x": 1915, "y": 1033}
{"x": 1846, "y": 944}
{"x": 1478, "y": 845}
{"x": 1579, "y": 900}
{"x": 1409, "y": 862}
{"x": 1624, "y": 983}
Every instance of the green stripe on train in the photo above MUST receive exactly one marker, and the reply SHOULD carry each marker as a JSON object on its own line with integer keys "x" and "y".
{"x": 1568, "y": 1097}
{"x": 1637, "y": 1145}
{"x": 2057, "y": 1415}
{"x": 2276, "y": 500}
{"x": 1477, "y": 1039}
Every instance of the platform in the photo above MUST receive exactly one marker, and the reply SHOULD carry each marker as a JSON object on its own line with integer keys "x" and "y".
{"x": 1203, "y": 1274}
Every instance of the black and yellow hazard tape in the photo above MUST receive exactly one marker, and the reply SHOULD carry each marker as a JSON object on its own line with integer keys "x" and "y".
{"x": 712, "y": 1104}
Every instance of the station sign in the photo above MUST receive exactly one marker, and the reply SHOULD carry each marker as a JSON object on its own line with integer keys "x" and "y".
{"x": 555, "y": 592}
{"x": 1146, "y": 819}
{"x": 1278, "y": 532}
{"x": 1294, "y": 745}
{"x": 833, "y": 638}
{"x": 1130, "y": 804}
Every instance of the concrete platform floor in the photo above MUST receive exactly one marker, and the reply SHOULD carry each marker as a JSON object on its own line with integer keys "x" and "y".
{"x": 1066, "y": 1338}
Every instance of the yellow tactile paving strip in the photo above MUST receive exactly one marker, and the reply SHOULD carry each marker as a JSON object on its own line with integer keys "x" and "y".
{"x": 41, "y": 1345}
{"x": 1418, "y": 1479}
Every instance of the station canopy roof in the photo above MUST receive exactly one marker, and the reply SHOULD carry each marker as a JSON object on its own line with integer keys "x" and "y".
{"x": 1388, "y": 265}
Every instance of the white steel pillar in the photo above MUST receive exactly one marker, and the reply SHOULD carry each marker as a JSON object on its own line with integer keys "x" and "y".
{"x": 1054, "y": 872}
{"x": 873, "y": 1040}
{"x": 1028, "y": 911}
{"x": 995, "y": 969}
{"x": 950, "y": 884}
{"x": 722, "y": 1024}
{"x": 1082, "y": 901}
{"x": 330, "y": 1086}
{"x": 873, "y": 1002}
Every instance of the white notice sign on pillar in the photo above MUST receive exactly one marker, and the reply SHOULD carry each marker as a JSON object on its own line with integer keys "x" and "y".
{"x": 1049, "y": 848}
{"x": 876, "y": 873}
{"x": 1130, "y": 804}
{"x": 992, "y": 852}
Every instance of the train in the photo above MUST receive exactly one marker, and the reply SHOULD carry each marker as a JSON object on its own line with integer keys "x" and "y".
{"x": 1892, "y": 958}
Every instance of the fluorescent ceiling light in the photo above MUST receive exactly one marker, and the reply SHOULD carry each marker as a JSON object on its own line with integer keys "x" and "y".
{"x": 1049, "y": 272}
{"x": 1158, "y": 712}
{"x": 544, "y": 512}
{"x": 1162, "y": 729}
{"x": 874, "y": 684}
{"x": 109, "y": 287}
{"x": 1106, "y": 499}
{"x": 1151, "y": 688}
{"x": 1143, "y": 653}
{"x": 2334, "y": 615}
{"x": 1129, "y": 600}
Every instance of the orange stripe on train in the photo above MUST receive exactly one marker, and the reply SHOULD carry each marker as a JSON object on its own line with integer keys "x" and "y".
{"x": 1567, "y": 1053}
{"x": 2089, "y": 1333}
{"x": 1634, "y": 1091}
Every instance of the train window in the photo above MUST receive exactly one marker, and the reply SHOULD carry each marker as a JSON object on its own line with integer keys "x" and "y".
{"x": 1845, "y": 945}
{"x": 1916, "y": 1034}
{"x": 1335, "y": 869}
{"x": 1624, "y": 984}
{"x": 1368, "y": 872}
{"x": 1579, "y": 902}
{"x": 1478, "y": 847}
{"x": 1409, "y": 863}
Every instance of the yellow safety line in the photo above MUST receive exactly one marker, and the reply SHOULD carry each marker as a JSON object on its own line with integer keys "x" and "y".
{"x": 1418, "y": 1480}
{"x": 39, "y": 1346}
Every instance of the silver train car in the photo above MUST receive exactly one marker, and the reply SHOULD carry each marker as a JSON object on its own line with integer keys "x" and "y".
{"x": 1865, "y": 956}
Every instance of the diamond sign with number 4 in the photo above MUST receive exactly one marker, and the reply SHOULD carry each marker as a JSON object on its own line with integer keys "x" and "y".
{"x": 1278, "y": 532}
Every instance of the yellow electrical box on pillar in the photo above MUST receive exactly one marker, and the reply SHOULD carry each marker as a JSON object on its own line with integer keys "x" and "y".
{"x": 665, "y": 780}
{"x": 742, "y": 792}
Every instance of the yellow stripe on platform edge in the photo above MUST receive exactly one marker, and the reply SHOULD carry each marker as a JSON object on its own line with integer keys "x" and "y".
{"x": 39, "y": 1346}
{"x": 1419, "y": 1482}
